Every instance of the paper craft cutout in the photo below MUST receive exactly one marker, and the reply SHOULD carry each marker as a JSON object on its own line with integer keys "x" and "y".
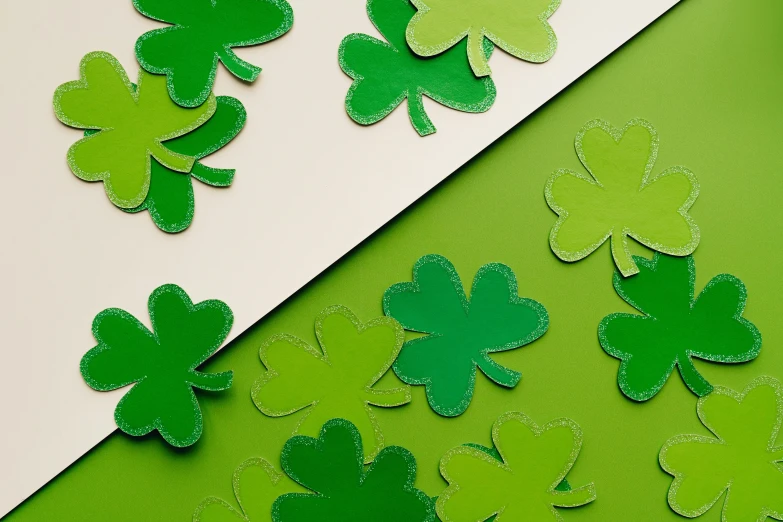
{"x": 676, "y": 326}
{"x": 522, "y": 484}
{"x": 133, "y": 123}
{"x": 742, "y": 460}
{"x": 161, "y": 363}
{"x": 335, "y": 381}
{"x": 518, "y": 27}
{"x": 332, "y": 467}
{"x": 620, "y": 198}
{"x": 462, "y": 333}
{"x": 495, "y": 454}
{"x": 170, "y": 200}
{"x": 385, "y": 74}
{"x": 256, "y": 486}
{"x": 203, "y": 33}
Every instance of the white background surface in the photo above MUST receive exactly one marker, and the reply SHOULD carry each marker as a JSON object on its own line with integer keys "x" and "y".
{"x": 310, "y": 185}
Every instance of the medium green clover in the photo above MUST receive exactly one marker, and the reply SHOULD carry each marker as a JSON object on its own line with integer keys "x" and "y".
{"x": 332, "y": 467}
{"x": 257, "y": 484}
{"x": 676, "y": 326}
{"x": 133, "y": 122}
{"x": 462, "y": 333}
{"x": 385, "y": 74}
{"x": 519, "y": 27}
{"x": 523, "y": 480}
{"x": 162, "y": 364}
{"x": 337, "y": 380}
{"x": 742, "y": 458}
{"x": 203, "y": 33}
{"x": 620, "y": 198}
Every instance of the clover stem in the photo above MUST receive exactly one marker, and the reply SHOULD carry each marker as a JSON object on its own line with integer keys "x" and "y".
{"x": 476, "y": 56}
{"x": 211, "y": 176}
{"x": 693, "y": 379}
{"x": 500, "y": 374}
{"x": 574, "y": 497}
{"x": 238, "y": 67}
{"x": 172, "y": 160}
{"x": 622, "y": 257}
{"x": 421, "y": 122}
{"x": 388, "y": 398}
{"x": 211, "y": 381}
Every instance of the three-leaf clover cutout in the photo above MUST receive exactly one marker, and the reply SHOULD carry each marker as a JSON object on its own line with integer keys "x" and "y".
{"x": 741, "y": 460}
{"x": 162, "y": 363}
{"x": 332, "y": 467}
{"x": 526, "y": 483}
{"x": 256, "y": 484}
{"x": 133, "y": 124}
{"x": 676, "y": 326}
{"x": 335, "y": 381}
{"x": 385, "y": 74}
{"x": 202, "y": 33}
{"x": 621, "y": 198}
{"x": 519, "y": 27}
{"x": 461, "y": 334}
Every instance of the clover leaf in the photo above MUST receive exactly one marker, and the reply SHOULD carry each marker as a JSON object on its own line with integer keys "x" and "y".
{"x": 332, "y": 467}
{"x": 256, "y": 485}
{"x": 525, "y": 483}
{"x": 203, "y": 32}
{"x": 620, "y": 198}
{"x": 462, "y": 333}
{"x": 133, "y": 124}
{"x": 161, "y": 363}
{"x": 385, "y": 74}
{"x": 519, "y": 27}
{"x": 676, "y": 326}
{"x": 742, "y": 458}
{"x": 335, "y": 381}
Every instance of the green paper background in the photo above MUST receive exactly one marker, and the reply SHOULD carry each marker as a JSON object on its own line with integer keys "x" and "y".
{"x": 708, "y": 75}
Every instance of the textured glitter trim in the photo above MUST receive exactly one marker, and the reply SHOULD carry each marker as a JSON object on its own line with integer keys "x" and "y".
{"x": 717, "y": 439}
{"x": 619, "y": 241}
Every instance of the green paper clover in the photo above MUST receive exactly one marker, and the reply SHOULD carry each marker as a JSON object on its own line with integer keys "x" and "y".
{"x": 462, "y": 333}
{"x": 332, "y": 467}
{"x": 133, "y": 125}
{"x": 256, "y": 485}
{"x": 336, "y": 381}
{"x": 676, "y": 326}
{"x": 519, "y": 27}
{"x": 385, "y": 74}
{"x": 742, "y": 459}
{"x": 203, "y": 33}
{"x": 620, "y": 198}
{"x": 161, "y": 364}
{"x": 524, "y": 483}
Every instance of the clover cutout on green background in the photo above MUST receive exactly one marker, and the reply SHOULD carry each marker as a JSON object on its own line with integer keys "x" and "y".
{"x": 332, "y": 467}
{"x": 462, "y": 333}
{"x": 256, "y": 484}
{"x": 335, "y": 381}
{"x": 676, "y": 326}
{"x": 162, "y": 363}
{"x": 133, "y": 124}
{"x": 385, "y": 74}
{"x": 742, "y": 458}
{"x": 203, "y": 33}
{"x": 621, "y": 198}
{"x": 519, "y": 27}
{"x": 526, "y": 483}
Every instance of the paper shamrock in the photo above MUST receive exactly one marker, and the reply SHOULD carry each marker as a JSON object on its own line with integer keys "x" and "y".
{"x": 203, "y": 32}
{"x": 256, "y": 486}
{"x": 519, "y": 27}
{"x": 620, "y": 198}
{"x": 385, "y": 74}
{"x": 676, "y": 326}
{"x": 743, "y": 458}
{"x": 526, "y": 484}
{"x": 162, "y": 363}
{"x": 335, "y": 381}
{"x": 133, "y": 124}
{"x": 331, "y": 466}
{"x": 462, "y": 333}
